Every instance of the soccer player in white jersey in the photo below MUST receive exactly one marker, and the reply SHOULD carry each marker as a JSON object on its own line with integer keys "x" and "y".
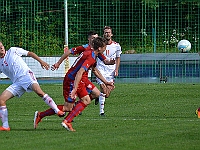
{"x": 109, "y": 72}
{"x": 23, "y": 80}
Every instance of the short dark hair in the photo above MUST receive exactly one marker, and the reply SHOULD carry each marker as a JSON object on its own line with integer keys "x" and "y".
{"x": 107, "y": 27}
{"x": 90, "y": 33}
{"x": 99, "y": 42}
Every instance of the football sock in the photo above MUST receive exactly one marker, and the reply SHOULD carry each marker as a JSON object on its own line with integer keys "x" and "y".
{"x": 50, "y": 111}
{"x": 49, "y": 101}
{"x": 4, "y": 116}
{"x": 76, "y": 110}
{"x": 101, "y": 102}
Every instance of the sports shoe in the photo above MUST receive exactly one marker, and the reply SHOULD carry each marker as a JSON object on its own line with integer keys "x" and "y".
{"x": 61, "y": 113}
{"x": 67, "y": 126}
{"x": 96, "y": 101}
{"x": 4, "y": 129}
{"x": 198, "y": 112}
{"x": 37, "y": 119}
{"x": 102, "y": 115}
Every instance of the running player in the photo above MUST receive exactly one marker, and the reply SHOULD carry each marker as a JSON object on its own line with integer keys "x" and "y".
{"x": 74, "y": 80}
{"x": 93, "y": 91}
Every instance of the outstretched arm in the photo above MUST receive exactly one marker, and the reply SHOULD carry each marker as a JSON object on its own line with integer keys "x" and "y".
{"x": 109, "y": 62}
{"x": 43, "y": 64}
{"x": 117, "y": 65}
{"x": 63, "y": 57}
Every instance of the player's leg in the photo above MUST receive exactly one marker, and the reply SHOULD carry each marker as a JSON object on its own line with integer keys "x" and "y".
{"x": 40, "y": 115}
{"x": 102, "y": 99}
{"x": 85, "y": 101}
{"x": 68, "y": 105}
{"x": 6, "y": 95}
{"x": 92, "y": 90}
{"x": 29, "y": 83}
{"x": 4, "y": 111}
{"x": 95, "y": 93}
{"x": 78, "y": 108}
{"x": 47, "y": 99}
{"x": 105, "y": 93}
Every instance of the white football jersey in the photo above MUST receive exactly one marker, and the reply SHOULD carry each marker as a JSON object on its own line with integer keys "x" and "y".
{"x": 112, "y": 51}
{"x": 12, "y": 64}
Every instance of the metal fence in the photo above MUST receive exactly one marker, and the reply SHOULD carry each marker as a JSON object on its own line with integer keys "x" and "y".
{"x": 140, "y": 26}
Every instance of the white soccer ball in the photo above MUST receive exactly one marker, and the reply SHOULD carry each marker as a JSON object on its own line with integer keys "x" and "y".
{"x": 184, "y": 46}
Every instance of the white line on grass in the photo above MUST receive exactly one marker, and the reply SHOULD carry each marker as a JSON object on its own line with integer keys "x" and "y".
{"x": 110, "y": 119}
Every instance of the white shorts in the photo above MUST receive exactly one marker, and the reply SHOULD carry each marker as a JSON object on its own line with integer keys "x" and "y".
{"x": 22, "y": 85}
{"x": 108, "y": 79}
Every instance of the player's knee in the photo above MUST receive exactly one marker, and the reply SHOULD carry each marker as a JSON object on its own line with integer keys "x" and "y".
{"x": 67, "y": 109}
{"x": 86, "y": 101}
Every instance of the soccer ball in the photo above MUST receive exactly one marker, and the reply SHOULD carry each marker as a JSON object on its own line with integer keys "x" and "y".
{"x": 184, "y": 46}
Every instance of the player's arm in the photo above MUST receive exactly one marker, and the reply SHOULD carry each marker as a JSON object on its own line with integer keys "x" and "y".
{"x": 73, "y": 51}
{"x": 109, "y": 62}
{"x": 106, "y": 61}
{"x": 76, "y": 82}
{"x": 43, "y": 64}
{"x": 98, "y": 74}
{"x": 62, "y": 58}
{"x": 107, "y": 86}
{"x": 117, "y": 60}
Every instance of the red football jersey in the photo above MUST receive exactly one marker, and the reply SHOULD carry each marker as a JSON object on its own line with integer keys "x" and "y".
{"x": 80, "y": 49}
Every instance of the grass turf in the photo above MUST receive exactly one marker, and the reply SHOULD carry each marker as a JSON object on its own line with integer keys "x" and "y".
{"x": 138, "y": 116}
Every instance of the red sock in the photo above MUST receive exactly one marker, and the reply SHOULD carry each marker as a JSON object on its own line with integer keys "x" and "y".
{"x": 76, "y": 110}
{"x": 50, "y": 111}
{"x": 60, "y": 107}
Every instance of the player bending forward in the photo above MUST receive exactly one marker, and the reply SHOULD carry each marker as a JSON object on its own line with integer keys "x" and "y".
{"x": 23, "y": 80}
{"x": 85, "y": 61}
{"x": 92, "y": 90}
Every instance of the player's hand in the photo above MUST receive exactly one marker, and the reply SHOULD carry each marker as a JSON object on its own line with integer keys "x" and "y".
{"x": 110, "y": 85}
{"x": 73, "y": 94}
{"x": 112, "y": 61}
{"x": 44, "y": 65}
{"x": 54, "y": 67}
{"x": 109, "y": 62}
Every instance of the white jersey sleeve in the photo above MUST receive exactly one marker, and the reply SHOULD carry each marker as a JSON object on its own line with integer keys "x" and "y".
{"x": 118, "y": 50}
{"x": 20, "y": 51}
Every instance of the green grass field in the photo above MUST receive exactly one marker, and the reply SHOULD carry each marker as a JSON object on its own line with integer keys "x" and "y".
{"x": 138, "y": 116}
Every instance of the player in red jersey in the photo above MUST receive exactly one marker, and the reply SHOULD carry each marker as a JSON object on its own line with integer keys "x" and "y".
{"x": 92, "y": 90}
{"x": 74, "y": 80}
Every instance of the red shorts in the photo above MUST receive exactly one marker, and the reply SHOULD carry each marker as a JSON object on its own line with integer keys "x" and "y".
{"x": 84, "y": 88}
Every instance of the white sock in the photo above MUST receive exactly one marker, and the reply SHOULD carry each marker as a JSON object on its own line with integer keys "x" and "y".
{"x": 49, "y": 101}
{"x": 101, "y": 102}
{"x": 4, "y": 116}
